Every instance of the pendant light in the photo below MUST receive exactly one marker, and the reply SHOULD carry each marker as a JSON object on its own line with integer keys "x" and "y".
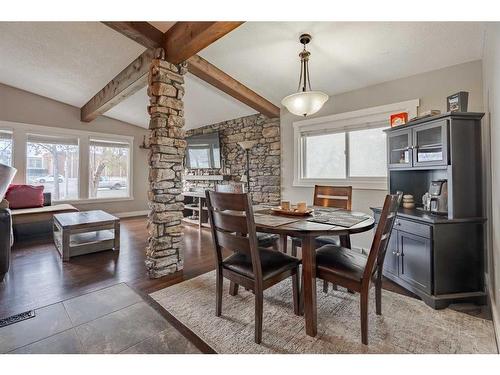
{"x": 305, "y": 102}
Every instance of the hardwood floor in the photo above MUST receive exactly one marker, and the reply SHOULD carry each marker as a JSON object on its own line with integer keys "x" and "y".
{"x": 37, "y": 276}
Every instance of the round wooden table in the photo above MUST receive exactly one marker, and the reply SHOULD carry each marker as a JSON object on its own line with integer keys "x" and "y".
{"x": 308, "y": 231}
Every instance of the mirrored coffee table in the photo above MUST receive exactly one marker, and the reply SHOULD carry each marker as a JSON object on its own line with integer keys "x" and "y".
{"x": 78, "y": 233}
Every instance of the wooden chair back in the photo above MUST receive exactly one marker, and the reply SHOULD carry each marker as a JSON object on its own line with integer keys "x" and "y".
{"x": 233, "y": 226}
{"x": 382, "y": 235}
{"x": 230, "y": 188}
{"x": 333, "y": 196}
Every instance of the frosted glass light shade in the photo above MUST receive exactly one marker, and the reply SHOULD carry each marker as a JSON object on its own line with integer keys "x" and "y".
{"x": 305, "y": 103}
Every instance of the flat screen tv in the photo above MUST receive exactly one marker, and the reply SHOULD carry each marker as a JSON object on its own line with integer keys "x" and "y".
{"x": 203, "y": 151}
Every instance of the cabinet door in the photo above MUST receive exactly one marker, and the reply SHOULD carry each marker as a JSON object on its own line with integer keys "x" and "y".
{"x": 399, "y": 149}
{"x": 415, "y": 265}
{"x": 391, "y": 261}
{"x": 430, "y": 144}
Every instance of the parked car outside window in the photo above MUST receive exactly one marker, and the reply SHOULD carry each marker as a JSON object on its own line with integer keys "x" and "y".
{"x": 113, "y": 183}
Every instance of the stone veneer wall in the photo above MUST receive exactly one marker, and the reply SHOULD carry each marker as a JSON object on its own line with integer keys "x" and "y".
{"x": 264, "y": 157}
{"x": 164, "y": 253}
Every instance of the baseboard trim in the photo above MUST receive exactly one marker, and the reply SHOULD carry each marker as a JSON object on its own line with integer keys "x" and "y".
{"x": 122, "y": 215}
{"x": 496, "y": 322}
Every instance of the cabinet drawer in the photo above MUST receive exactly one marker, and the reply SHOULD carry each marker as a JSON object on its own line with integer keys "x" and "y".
{"x": 412, "y": 227}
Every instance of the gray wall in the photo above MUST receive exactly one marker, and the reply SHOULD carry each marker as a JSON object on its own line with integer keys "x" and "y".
{"x": 491, "y": 141}
{"x": 22, "y": 106}
{"x": 431, "y": 88}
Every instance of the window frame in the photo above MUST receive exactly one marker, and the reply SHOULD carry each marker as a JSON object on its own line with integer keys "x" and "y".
{"x": 368, "y": 118}
{"x": 20, "y": 132}
{"x": 9, "y": 130}
{"x": 107, "y": 137}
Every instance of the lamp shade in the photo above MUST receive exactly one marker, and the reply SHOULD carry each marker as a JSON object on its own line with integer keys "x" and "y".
{"x": 6, "y": 176}
{"x": 305, "y": 103}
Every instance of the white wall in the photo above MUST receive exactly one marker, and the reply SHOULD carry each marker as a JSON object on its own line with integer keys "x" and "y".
{"x": 25, "y": 107}
{"x": 491, "y": 137}
{"x": 431, "y": 88}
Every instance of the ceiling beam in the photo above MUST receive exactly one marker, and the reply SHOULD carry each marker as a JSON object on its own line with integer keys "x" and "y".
{"x": 224, "y": 82}
{"x": 130, "y": 80}
{"x": 134, "y": 76}
{"x": 186, "y": 39}
{"x": 142, "y": 32}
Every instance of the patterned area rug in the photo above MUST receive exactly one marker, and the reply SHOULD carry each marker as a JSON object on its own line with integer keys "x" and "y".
{"x": 406, "y": 326}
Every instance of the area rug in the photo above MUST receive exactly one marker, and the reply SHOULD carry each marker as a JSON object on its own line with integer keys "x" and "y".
{"x": 406, "y": 326}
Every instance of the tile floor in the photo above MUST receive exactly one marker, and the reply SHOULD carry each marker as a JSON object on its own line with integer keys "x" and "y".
{"x": 110, "y": 320}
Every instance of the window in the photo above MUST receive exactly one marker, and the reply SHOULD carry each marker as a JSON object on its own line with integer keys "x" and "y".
{"x": 342, "y": 155}
{"x": 52, "y": 161}
{"x": 367, "y": 153}
{"x": 325, "y": 156}
{"x": 5, "y": 147}
{"x": 109, "y": 169}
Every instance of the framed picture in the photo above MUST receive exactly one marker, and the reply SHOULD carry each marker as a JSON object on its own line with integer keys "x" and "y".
{"x": 399, "y": 119}
{"x": 457, "y": 102}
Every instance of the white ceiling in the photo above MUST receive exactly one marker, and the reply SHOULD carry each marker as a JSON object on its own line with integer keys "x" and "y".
{"x": 203, "y": 105}
{"x": 344, "y": 55}
{"x": 71, "y": 61}
{"x": 68, "y": 62}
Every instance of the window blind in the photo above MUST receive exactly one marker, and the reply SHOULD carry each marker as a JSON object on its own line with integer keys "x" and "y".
{"x": 105, "y": 143}
{"x": 344, "y": 129}
{"x": 4, "y": 134}
{"x": 52, "y": 140}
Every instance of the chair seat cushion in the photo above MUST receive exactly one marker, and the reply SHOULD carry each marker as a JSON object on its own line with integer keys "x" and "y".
{"x": 327, "y": 240}
{"x": 321, "y": 240}
{"x": 344, "y": 262}
{"x": 267, "y": 239}
{"x": 273, "y": 263}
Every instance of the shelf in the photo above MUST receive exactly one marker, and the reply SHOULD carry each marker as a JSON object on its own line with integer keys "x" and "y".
{"x": 212, "y": 177}
{"x": 191, "y": 221}
{"x": 191, "y": 207}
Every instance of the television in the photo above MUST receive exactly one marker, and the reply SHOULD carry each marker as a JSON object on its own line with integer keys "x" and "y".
{"x": 203, "y": 151}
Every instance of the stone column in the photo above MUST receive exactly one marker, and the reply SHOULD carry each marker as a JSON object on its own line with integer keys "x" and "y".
{"x": 164, "y": 254}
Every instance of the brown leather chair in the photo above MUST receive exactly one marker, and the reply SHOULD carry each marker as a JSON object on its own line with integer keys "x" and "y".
{"x": 264, "y": 239}
{"x": 233, "y": 228}
{"x": 352, "y": 270}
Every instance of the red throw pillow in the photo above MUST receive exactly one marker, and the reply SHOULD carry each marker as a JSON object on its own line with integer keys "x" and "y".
{"x": 24, "y": 196}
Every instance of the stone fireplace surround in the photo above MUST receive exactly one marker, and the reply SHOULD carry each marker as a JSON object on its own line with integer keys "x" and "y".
{"x": 264, "y": 157}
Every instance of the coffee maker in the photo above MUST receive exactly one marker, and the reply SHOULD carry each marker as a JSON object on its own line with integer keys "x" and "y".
{"x": 438, "y": 192}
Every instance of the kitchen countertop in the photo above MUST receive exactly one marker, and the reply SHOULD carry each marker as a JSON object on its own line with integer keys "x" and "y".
{"x": 421, "y": 215}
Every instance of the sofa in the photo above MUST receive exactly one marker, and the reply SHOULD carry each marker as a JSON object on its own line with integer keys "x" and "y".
{"x": 26, "y": 223}
{"x": 37, "y": 222}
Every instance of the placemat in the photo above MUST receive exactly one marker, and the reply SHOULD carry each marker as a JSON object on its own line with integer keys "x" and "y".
{"x": 340, "y": 218}
{"x": 274, "y": 221}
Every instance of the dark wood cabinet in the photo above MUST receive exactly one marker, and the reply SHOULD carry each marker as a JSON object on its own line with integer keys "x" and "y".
{"x": 415, "y": 260}
{"x": 391, "y": 263}
{"x": 438, "y": 257}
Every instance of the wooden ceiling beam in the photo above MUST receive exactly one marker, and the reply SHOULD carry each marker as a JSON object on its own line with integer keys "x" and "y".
{"x": 224, "y": 82}
{"x": 186, "y": 39}
{"x": 142, "y": 32}
{"x": 193, "y": 36}
{"x": 130, "y": 80}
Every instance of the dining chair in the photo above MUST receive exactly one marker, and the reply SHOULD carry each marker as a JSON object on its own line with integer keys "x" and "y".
{"x": 355, "y": 271}
{"x": 334, "y": 197}
{"x": 263, "y": 239}
{"x": 233, "y": 228}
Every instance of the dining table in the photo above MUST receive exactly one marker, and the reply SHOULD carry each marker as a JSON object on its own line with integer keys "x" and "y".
{"x": 321, "y": 221}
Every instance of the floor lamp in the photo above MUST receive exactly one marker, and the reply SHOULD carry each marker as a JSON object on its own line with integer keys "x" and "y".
{"x": 247, "y": 145}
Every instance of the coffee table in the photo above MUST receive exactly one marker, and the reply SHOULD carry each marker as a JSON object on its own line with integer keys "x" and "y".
{"x": 78, "y": 233}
